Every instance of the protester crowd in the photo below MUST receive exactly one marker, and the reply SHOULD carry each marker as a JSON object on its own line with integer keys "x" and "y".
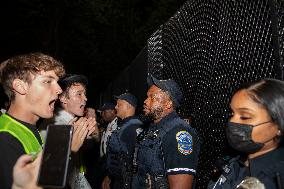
{"x": 113, "y": 147}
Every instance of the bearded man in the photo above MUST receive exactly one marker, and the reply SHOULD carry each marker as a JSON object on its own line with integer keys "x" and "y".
{"x": 166, "y": 152}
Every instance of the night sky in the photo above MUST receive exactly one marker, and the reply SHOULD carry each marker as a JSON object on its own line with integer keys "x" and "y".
{"x": 97, "y": 38}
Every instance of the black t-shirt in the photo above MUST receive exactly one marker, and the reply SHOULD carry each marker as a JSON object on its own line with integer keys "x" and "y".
{"x": 10, "y": 150}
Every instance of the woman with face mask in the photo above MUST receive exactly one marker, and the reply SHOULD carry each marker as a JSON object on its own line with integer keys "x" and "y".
{"x": 256, "y": 129}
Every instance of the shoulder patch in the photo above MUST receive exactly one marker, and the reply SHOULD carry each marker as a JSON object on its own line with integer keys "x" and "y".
{"x": 184, "y": 140}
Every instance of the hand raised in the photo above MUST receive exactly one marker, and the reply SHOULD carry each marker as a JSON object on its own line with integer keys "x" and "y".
{"x": 79, "y": 133}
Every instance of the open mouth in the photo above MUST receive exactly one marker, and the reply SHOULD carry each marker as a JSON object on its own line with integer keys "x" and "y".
{"x": 51, "y": 104}
{"x": 83, "y": 106}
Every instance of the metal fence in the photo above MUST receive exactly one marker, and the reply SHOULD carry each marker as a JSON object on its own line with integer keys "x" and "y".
{"x": 210, "y": 47}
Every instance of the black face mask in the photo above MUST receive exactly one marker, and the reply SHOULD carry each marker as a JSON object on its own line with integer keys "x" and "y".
{"x": 239, "y": 137}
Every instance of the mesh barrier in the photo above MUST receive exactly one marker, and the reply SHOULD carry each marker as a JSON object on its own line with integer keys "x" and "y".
{"x": 210, "y": 47}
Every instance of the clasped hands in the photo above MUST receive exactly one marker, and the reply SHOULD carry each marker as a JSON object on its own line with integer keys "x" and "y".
{"x": 82, "y": 128}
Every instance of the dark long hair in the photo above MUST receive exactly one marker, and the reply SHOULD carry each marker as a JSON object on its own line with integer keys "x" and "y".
{"x": 270, "y": 94}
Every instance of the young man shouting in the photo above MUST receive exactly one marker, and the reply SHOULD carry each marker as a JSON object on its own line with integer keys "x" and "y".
{"x": 30, "y": 82}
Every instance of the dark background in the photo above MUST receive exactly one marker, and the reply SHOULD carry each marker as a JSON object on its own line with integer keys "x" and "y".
{"x": 209, "y": 47}
{"x": 97, "y": 38}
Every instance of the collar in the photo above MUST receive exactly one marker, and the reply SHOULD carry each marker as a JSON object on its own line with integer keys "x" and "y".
{"x": 63, "y": 114}
{"x": 164, "y": 120}
{"x": 264, "y": 161}
{"x": 121, "y": 122}
{"x": 127, "y": 119}
{"x": 112, "y": 123}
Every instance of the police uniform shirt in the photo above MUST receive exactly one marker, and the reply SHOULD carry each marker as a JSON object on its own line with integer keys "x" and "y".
{"x": 10, "y": 150}
{"x": 268, "y": 168}
{"x": 180, "y": 145}
{"x": 265, "y": 168}
{"x": 120, "y": 150}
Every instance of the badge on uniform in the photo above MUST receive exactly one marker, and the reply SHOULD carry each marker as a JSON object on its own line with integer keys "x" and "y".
{"x": 184, "y": 140}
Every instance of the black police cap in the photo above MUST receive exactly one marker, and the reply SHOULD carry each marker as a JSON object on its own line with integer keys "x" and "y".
{"x": 67, "y": 80}
{"x": 128, "y": 97}
{"x": 169, "y": 86}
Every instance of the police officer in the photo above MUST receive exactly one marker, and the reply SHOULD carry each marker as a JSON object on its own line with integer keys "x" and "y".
{"x": 256, "y": 129}
{"x": 122, "y": 142}
{"x": 108, "y": 115}
{"x": 166, "y": 153}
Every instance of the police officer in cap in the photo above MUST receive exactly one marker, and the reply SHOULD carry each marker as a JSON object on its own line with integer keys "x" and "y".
{"x": 166, "y": 153}
{"x": 122, "y": 142}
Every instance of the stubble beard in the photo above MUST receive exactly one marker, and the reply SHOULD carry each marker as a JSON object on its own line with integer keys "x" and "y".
{"x": 155, "y": 114}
